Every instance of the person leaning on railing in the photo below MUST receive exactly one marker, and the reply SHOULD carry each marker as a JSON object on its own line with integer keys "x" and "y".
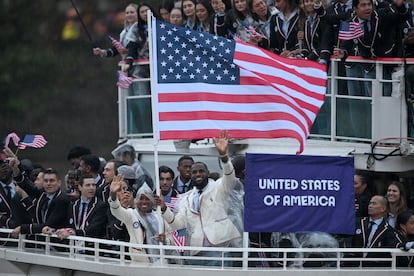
{"x": 138, "y": 46}
{"x": 131, "y": 17}
{"x": 87, "y": 215}
{"x": 14, "y": 201}
{"x": 50, "y": 211}
{"x": 316, "y": 45}
{"x": 378, "y": 40}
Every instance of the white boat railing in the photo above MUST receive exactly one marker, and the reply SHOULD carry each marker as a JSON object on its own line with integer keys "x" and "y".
{"x": 387, "y": 93}
{"x": 116, "y": 252}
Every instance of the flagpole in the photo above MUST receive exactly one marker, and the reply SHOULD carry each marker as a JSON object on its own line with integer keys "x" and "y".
{"x": 81, "y": 21}
{"x": 155, "y": 135}
{"x": 153, "y": 101}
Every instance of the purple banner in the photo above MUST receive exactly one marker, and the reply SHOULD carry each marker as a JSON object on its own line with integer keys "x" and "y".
{"x": 292, "y": 193}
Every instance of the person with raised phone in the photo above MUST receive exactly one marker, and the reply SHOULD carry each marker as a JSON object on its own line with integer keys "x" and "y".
{"x": 143, "y": 223}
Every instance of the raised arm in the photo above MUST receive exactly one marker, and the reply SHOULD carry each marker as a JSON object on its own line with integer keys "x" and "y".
{"x": 116, "y": 185}
{"x": 221, "y": 144}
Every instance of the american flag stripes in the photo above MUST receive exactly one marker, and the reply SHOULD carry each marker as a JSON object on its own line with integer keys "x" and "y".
{"x": 179, "y": 239}
{"x": 12, "y": 136}
{"x": 34, "y": 141}
{"x": 179, "y": 236}
{"x": 204, "y": 83}
{"x": 172, "y": 203}
{"x": 123, "y": 80}
{"x": 115, "y": 43}
{"x": 350, "y": 30}
{"x": 253, "y": 32}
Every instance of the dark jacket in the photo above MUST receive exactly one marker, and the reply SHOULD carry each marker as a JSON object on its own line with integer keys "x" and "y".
{"x": 222, "y": 24}
{"x": 385, "y": 237}
{"x": 95, "y": 220}
{"x": 103, "y": 192}
{"x": 279, "y": 41}
{"x": 362, "y": 200}
{"x": 315, "y": 46}
{"x": 381, "y": 40}
{"x": 175, "y": 186}
{"x": 406, "y": 261}
{"x": 15, "y": 212}
{"x": 333, "y": 15}
{"x": 56, "y": 214}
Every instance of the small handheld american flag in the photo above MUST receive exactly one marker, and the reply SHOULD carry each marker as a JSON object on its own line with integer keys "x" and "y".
{"x": 350, "y": 30}
{"x": 123, "y": 80}
{"x": 116, "y": 43}
{"x": 179, "y": 236}
{"x": 253, "y": 32}
{"x": 34, "y": 141}
{"x": 14, "y": 137}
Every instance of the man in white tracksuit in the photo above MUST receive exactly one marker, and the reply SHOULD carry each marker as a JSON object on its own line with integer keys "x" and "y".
{"x": 204, "y": 210}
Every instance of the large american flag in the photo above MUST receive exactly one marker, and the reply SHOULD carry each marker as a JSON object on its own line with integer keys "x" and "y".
{"x": 204, "y": 83}
{"x": 34, "y": 141}
{"x": 350, "y": 30}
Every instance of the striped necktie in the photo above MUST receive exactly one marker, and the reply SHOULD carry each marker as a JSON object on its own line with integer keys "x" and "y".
{"x": 82, "y": 214}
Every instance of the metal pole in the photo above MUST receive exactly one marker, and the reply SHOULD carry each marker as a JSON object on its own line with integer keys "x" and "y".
{"x": 81, "y": 20}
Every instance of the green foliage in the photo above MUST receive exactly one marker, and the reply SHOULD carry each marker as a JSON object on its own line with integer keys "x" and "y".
{"x": 57, "y": 88}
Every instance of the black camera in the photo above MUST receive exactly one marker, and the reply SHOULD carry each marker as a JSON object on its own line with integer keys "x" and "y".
{"x": 77, "y": 175}
{"x": 4, "y": 161}
{"x": 127, "y": 188}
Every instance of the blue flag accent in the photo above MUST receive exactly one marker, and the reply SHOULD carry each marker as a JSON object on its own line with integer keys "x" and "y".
{"x": 292, "y": 193}
{"x": 186, "y": 56}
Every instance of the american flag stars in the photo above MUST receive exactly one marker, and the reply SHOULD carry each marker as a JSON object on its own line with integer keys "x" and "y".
{"x": 188, "y": 56}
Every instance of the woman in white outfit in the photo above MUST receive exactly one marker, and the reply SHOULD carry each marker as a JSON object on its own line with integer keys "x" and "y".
{"x": 143, "y": 223}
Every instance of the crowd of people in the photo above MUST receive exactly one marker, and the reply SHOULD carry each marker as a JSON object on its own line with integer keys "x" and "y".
{"x": 116, "y": 200}
{"x": 300, "y": 29}
{"x": 291, "y": 28}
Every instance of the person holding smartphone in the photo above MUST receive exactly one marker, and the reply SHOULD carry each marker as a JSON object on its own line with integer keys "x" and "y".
{"x": 143, "y": 223}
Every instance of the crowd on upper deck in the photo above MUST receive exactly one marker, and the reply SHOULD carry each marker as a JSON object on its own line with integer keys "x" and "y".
{"x": 307, "y": 29}
{"x": 291, "y": 28}
{"x": 116, "y": 200}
